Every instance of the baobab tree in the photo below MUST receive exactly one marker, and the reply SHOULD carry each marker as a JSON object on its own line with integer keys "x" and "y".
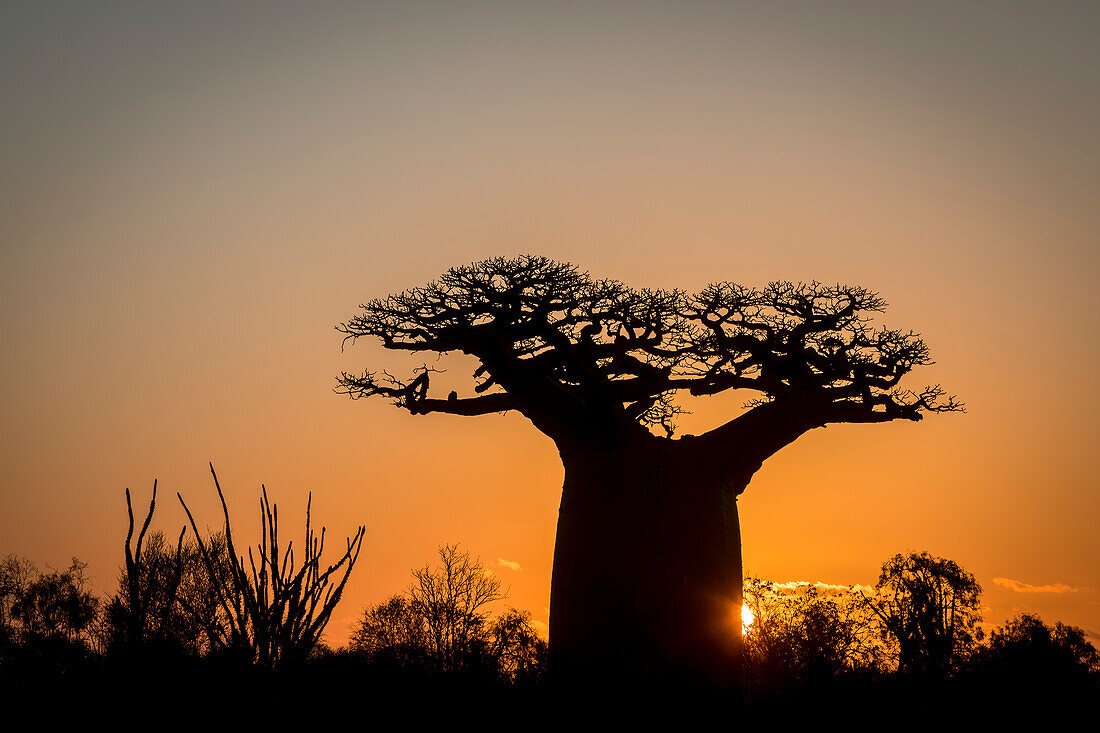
{"x": 647, "y": 560}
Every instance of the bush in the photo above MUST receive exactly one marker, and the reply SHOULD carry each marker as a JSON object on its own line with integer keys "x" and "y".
{"x": 1030, "y": 658}
{"x": 46, "y": 619}
{"x": 799, "y": 636}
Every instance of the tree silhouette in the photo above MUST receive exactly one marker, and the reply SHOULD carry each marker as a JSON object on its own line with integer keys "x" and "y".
{"x": 168, "y": 603}
{"x": 274, "y": 610}
{"x": 1033, "y": 660}
{"x": 46, "y": 619}
{"x": 647, "y": 566}
{"x": 391, "y": 634}
{"x": 929, "y": 607}
{"x": 451, "y": 599}
{"x": 801, "y": 636}
{"x": 145, "y": 610}
{"x": 442, "y": 624}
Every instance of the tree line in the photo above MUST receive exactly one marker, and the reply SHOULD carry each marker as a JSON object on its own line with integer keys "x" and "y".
{"x": 196, "y": 602}
{"x": 918, "y": 628}
{"x": 197, "y": 605}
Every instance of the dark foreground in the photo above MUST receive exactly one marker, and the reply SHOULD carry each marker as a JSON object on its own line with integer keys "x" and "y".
{"x": 341, "y": 689}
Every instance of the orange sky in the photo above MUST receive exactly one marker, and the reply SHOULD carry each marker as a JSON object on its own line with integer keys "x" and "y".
{"x": 194, "y": 195}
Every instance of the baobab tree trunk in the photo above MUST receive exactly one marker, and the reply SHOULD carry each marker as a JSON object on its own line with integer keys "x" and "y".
{"x": 646, "y": 585}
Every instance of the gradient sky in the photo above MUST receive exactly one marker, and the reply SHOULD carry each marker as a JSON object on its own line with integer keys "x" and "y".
{"x": 194, "y": 194}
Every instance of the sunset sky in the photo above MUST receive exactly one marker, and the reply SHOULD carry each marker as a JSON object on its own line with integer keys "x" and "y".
{"x": 195, "y": 193}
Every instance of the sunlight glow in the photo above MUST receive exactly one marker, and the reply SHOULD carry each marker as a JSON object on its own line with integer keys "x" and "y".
{"x": 746, "y": 619}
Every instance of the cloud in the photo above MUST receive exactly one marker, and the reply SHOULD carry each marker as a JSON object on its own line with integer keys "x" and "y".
{"x": 510, "y": 564}
{"x": 1018, "y": 587}
{"x": 795, "y": 587}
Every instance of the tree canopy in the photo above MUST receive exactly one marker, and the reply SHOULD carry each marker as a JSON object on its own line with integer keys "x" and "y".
{"x": 930, "y": 607}
{"x": 569, "y": 350}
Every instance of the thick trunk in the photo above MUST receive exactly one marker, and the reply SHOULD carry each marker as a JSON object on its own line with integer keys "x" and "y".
{"x": 647, "y": 569}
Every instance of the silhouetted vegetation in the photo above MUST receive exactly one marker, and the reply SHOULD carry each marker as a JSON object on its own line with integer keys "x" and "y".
{"x": 47, "y": 619}
{"x": 914, "y": 636}
{"x": 802, "y": 636}
{"x": 275, "y": 612}
{"x": 929, "y": 609}
{"x": 190, "y": 615}
{"x": 1028, "y": 658}
{"x": 442, "y": 625}
{"x": 596, "y": 366}
{"x": 167, "y": 603}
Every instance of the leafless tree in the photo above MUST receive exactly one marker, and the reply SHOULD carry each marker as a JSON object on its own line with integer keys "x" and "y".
{"x": 276, "y": 611}
{"x": 443, "y": 622}
{"x": 451, "y": 599}
{"x": 647, "y": 562}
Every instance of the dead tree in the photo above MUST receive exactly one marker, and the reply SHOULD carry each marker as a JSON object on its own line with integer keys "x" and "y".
{"x": 275, "y": 612}
{"x": 647, "y": 562}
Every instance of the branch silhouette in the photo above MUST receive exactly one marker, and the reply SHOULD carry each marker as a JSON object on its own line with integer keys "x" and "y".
{"x": 276, "y": 611}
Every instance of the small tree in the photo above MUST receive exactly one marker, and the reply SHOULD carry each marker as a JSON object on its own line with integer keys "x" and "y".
{"x": 275, "y": 611}
{"x": 451, "y": 599}
{"x": 515, "y": 649}
{"x": 16, "y": 574}
{"x": 443, "y": 622}
{"x": 392, "y": 634}
{"x": 53, "y": 605}
{"x": 929, "y": 609}
{"x": 167, "y": 600}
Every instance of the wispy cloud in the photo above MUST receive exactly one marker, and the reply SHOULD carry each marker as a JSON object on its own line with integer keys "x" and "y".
{"x": 510, "y": 564}
{"x": 794, "y": 587}
{"x": 1018, "y": 587}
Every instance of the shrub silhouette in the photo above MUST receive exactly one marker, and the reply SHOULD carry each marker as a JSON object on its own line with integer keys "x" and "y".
{"x": 515, "y": 650}
{"x": 179, "y": 612}
{"x": 1029, "y": 657}
{"x": 800, "y": 636}
{"x": 392, "y": 634}
{"x": 46, "y": 619}
{"x": 182, "y": 609}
